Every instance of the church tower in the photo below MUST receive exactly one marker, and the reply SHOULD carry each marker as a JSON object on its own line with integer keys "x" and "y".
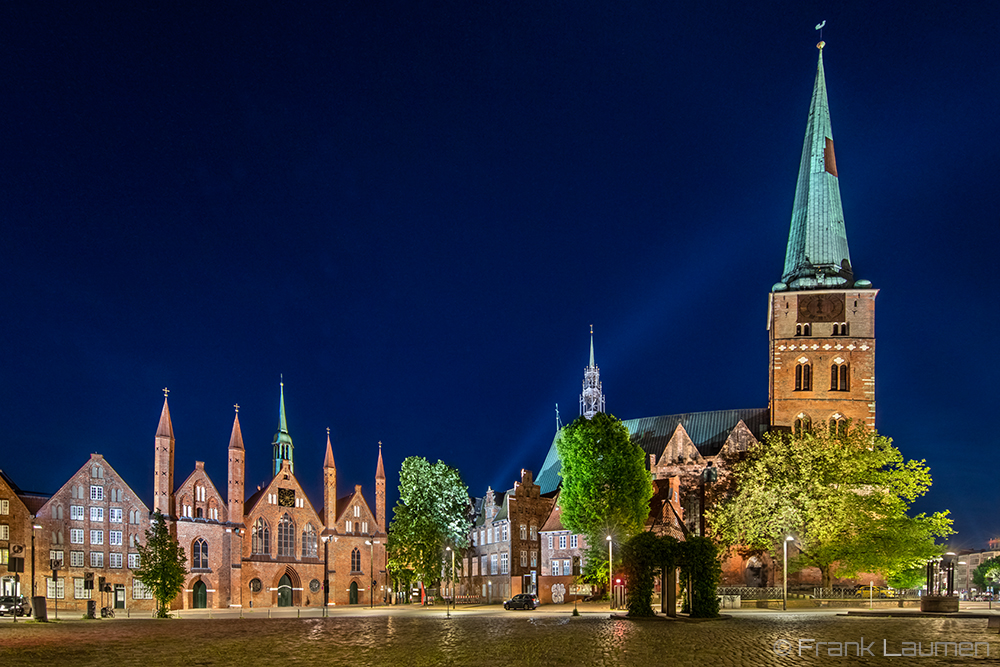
{"x": 237, "y": 468}
{"x": 282, "y": 441}
{"x": 380, "y": 492}
{"x": 821, "y": 320}
{"x": 591, "y": 399}
{"x": 163, "y": 463}
{"x": 329, "y": 486}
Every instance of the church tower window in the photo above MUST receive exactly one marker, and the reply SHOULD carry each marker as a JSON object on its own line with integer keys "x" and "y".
{"x": 355, "y": 560}
{"x": 839, "y": 375}
{"x": 803, "y": 375}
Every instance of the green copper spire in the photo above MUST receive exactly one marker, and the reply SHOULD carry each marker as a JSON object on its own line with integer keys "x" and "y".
{"x": 817, "y": 256}
{"x": 282, "y": 441}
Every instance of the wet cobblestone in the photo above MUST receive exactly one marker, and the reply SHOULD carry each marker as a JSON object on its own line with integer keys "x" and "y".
{"x": 418, "y": 638}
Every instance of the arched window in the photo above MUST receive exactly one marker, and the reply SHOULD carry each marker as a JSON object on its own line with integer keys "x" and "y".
{"x": 356, "y": 560}
{"x": 803, "y": 329}
{"x": 199, "y": 554}
{"x": 286, "y": 536}
{"x": 838, "y": 425}
{"x": 840, "y": 329}
{"x": 261, "y": 542}
{"x": 839, "y": 376}
{"x": 802, "y": 424}
{"x": 309, "y": 541}
{"x": 803, "y": 376}
{"x": 199, "y": 513}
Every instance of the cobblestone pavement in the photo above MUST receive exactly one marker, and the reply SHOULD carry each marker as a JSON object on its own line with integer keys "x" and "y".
{"x": 424, "y": 637}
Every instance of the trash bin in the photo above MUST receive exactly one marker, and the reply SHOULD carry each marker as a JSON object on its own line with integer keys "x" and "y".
{"x": 91, "y": 609}
{"x": 38, "y": 608}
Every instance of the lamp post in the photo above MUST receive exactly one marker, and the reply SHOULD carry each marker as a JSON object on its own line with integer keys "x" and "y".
{"x": 34, "y": 527}
{"x": 326, "y": 574}
{"x": 611, "y": 590}
{"x": 784, "y": 575}
{"x": 451, "y": 580}
{"x": 371, "y": 569}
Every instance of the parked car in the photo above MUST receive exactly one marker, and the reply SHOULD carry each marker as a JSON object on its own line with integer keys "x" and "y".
{"x": 14, "y": 605}
{"x": 522, "y": 601}
{"x": 875, "y": 591}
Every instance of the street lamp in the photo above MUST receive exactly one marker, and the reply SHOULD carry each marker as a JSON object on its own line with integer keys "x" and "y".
{"x": 326, "y": 574}
{"x": 784, "y": 575}
{"x": 371, "y": 569}
{"x": 34, "y": 527}
{"x": 611, "y": 599}
{"x": 451, "y": 579}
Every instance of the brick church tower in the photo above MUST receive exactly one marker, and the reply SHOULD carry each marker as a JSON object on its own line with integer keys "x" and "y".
{"x": 163, "y": 463}
{"x": 821, "y": 319}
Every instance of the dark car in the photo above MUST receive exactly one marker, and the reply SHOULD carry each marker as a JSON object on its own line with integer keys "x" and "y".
{"x": 521, "y": 601}
{"x": 14, "y": 605}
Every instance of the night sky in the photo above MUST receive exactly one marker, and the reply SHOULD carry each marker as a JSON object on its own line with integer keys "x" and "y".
{"x": 415, "y": 211}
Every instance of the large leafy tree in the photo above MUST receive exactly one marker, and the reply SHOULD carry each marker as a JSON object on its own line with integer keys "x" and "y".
{"x": 161, "y": 565}
{"x": 843, "y": 496}
{"x": 605, "y": 486}
{"x": 987, "y": 574}
{"x": 432, "y": 513}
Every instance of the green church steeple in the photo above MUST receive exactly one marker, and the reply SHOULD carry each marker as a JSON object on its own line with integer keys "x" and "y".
{"x": 282, "y": 441}
{"x": 817, "y": 256}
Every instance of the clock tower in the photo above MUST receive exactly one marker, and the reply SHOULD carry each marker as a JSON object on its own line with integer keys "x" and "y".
{"x": 821, "y": 319}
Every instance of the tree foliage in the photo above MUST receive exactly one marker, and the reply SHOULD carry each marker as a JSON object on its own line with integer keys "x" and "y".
{"x": 605, "y": 486}
{"x": 161, "y": 565}
{"x": 844, "y": 496}
{"x": 432, "y": 513}
{"x": 987, "y": 574}
{"x": 699, "y": 561}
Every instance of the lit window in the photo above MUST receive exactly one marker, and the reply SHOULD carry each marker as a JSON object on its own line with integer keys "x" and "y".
{"x": 133, "y": 561}
{"x": 4, "y": 532}
{"x": 115, "y": 560}
{"x": 534, "y": 533}
{"x": 562, "y": 541}
{"x": 493, "y": 564}
{"x": 115, "y": 538}
{"x": 286, "y": 536}
{"x": 97, "y": 493}
{"x": 76, "y": 536}
{"x": 504, "y": 565}
{"x": 534, "y": 559}
{"x": 261, "y": 539}
{"x": 80, "y": 592}
{"x": 4, "y": 506}
{"x": 76, "y": 559}
{"x": 54, "y": 589}
{"x": 115, "y": 515}
{"x": 555, "y": 568}
{"x": 199, "y": 554}
{"x": 524, "y": 559}
{"x": 573, "y": 541}
{"x": 76, "y": 512}
{"x": 97, "y": 537}
{"x": 96, "y": 559}
{"x": 97, "y": 514}
{"x": 524, "y": 532}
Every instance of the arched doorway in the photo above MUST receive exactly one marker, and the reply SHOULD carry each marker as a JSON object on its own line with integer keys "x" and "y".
{"x": 354, "y": 592}
{"x": 285, "y": 591}
{"x": 200, "y": 595}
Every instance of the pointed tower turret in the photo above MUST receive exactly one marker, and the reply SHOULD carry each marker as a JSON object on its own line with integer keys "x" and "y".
{"x": 163, "y": 462}
{"x": 380, "y": 491}
{"x": 822, "y": 320}
{"x": 591, "y": 399}
{"x": 329, "y": 486}
{"x": 237, "y": 471}
{"x": 282, "y": 441}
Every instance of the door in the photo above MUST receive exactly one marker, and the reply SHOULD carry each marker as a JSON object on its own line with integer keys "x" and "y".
{"x": 200, "y": 595}
{"x": 285, "y": 591}
{"x": 354, "y": 592}
{"x": 119, "y": 596}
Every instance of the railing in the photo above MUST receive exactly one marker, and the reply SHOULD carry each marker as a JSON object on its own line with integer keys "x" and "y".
{"x": 752, "y": 592}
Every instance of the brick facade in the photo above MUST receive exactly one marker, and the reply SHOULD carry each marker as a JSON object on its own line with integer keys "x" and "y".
{"x": 15, "y": 539}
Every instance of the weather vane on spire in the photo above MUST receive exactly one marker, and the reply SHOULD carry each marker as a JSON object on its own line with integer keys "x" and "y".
{"x": 819, "y": 26}
{"x": 237, "y": 406}
{"x": 165, "y": 392}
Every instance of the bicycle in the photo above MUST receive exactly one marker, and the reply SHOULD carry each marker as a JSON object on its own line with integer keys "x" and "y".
{"x": 107, "y": 612}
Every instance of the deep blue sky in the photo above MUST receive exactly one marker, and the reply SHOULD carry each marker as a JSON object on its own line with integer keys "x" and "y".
{"x": 415, "y": 210}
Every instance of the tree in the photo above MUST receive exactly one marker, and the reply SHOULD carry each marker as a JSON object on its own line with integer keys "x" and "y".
{"x": 433, "y": 512}
{"x": 161, "y": 565}
{"x": 843, "y": 496}
{"x": 605, "y": 486}
{"x": 987, "y": 574}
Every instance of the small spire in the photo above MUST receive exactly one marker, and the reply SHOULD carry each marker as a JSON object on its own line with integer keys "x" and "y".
{"x": 592, "y": 345}
{"x": 282, "y": 425}
{"x": 236, "y": 439}
{"x": 328, "y": 459}
{"x": 379, "y": 471}
{"x": 165, "y": 428}
{"x": 558, "y": 420}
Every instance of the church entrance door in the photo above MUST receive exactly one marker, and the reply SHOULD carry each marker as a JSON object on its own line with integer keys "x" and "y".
{"x": 285, "y": 591}
{"x": 200, "y": 595}
{"x": 354, "y": 592}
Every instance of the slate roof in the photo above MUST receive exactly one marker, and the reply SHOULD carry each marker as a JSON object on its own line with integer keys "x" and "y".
{"x": 708, "y": 432}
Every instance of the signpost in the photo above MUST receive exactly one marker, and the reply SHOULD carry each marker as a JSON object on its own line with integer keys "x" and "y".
{"x": 55, "y": 564}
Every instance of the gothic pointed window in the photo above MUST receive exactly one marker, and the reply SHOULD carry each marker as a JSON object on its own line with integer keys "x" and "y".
{"x": 199, "y": 554}
{"x": 803, "y": 376}
{"x": 801, "y": 425}
{"x": 286, "y": 536}
{"x": 839, "y": 376}
{"x": 309, "y": 541}
{"x": 838, "y": 425}
{"x": 355, "y": 560}
{"x": 261, "y": 541}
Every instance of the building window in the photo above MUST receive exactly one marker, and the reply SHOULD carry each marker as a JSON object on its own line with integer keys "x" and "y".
{"x": 76, "y": 512}
{"x": 567, "y": 568}
{"x": 482, "y": 536}
{"x": 261, "y": 540}
{"x": 199, "y": 554}
{"x": 534, "y": 559}
{"x": 133, "y": 561}
{"x": 76, "y": 536}
{"x": 474, "y": 540}
{"x": 504, "y": 532}
{"x": 4, "y": 506}
{"x": 97, "y": 537}
{"x": 80, "y": 592}
{"x": 524, "y": 558}
{"x": 97, "y": 471}
{"x": 97, "y": 514}
{"x": 550, "y": 541}
{"x": 483, "y": 565}
{"x": 56, "y": 555}
{"x": 76, "y": 559}
{"x": 309, "y": 545}
{"x": 115, "y": 515}
{"x": 840, "y": 329}
{"x": 357, "y": 511}
{"x": 356, "y": 560}
{"x": 524, "y": 531}
{"x": 838, "y": 377}
{"x": 576, "y": 564}
{"x": 534, "y": 533}
{"x": 803, "y": 330}
{"x": 115, "y": 538}
{"x": 493, "y": 564}
{"x": 54, "y": 589}
{"x": 803, "y": 376}
{"x": 562, "y": 541}
{"x": 555, "y": 568}
{"x": 838, "y": 425}
{"x": 475, "y": 567}
{"x": 802, "y": 425}
{"x": 573, "y": 541}
{"x": 489, "y": 536}
{"x": 364, "y": 527}
{"x": 141, "y": 591}
{"x": 286, "y": 536}
{"x": 96, "y": 559}
{"x": 115, "y": 560}
{"x": 504, "y": 564}
{"x": 347, "y": 526}
{"x": 4, "y": 532}
{"x": 97, "y": 493}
